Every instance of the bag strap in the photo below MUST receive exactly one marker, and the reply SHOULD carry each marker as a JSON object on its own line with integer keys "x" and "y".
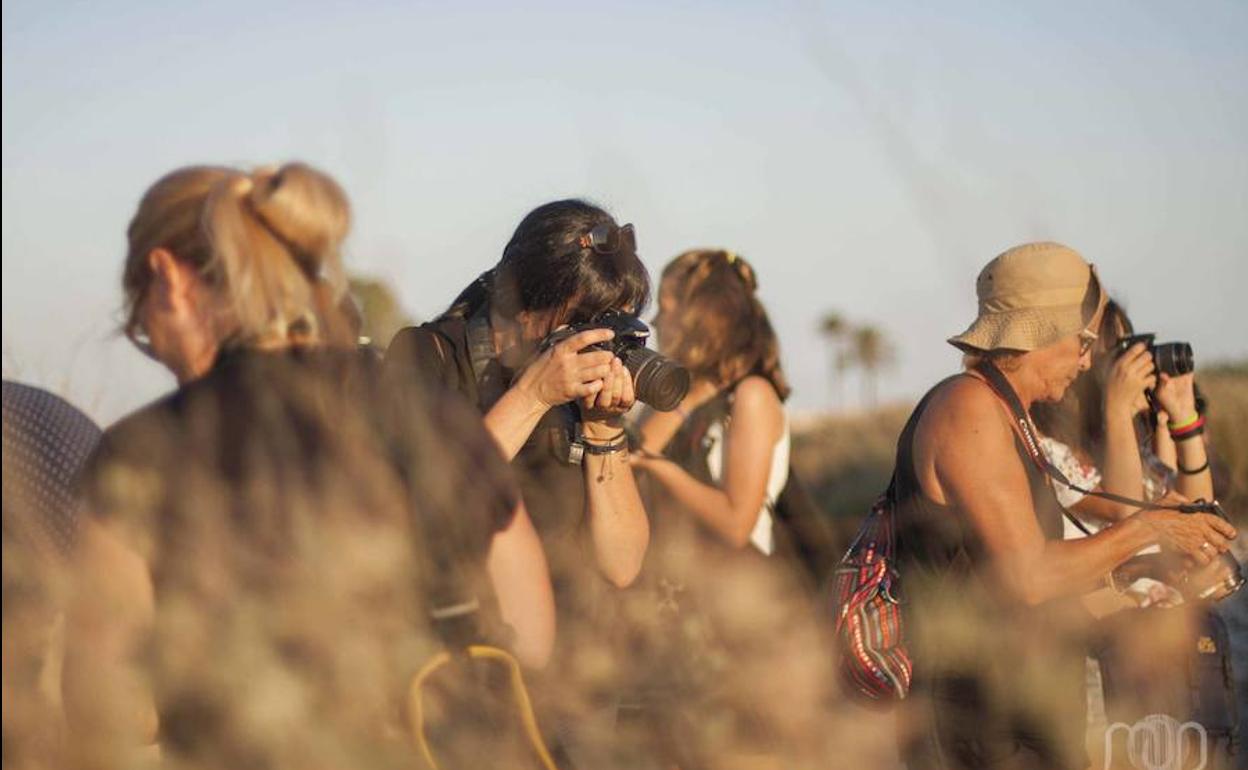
{"x": 1005, "y": 392}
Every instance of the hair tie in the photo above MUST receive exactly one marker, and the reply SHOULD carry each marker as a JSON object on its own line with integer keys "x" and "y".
{"x": 731, "y": 256}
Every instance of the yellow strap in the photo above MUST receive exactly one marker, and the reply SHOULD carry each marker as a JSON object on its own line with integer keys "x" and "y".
{"x": 416, "y": 710}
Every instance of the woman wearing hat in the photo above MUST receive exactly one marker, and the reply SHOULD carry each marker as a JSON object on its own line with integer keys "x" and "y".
{"x": 991, "y": 589}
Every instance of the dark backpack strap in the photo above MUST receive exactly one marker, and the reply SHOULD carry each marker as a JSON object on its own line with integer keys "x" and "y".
{"x": 434, "y": 353}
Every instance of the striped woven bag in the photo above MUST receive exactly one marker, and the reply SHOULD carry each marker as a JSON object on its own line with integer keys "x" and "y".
{"x": 874, "y": 660}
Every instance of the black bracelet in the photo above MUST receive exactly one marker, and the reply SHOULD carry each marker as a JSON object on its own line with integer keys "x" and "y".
{"x": 1192, "y": 471}
{"x": 1187, "y": 436}
{"x": 607, "y": 440}
{"x": 616, "y": 444}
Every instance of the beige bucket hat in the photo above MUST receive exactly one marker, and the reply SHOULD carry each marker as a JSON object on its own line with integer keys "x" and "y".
{"x": 1031, "y": 296}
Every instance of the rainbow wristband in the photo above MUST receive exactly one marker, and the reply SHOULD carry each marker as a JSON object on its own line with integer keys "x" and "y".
{"x": 1189, "y": 422}
{"x": 1193, "y": 428}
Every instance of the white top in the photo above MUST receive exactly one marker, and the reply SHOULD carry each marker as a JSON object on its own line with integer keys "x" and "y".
{"x": 1089, "y": 477}
{"x": 761, "y": 537}
{"x": 1086, "y": 476}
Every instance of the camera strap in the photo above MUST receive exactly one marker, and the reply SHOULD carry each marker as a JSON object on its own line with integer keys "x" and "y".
{"x": 1004, "y": 391}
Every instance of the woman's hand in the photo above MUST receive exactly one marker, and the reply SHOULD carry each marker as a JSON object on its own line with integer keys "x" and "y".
{"x": 1199, "y": 536}
{"x": 1176, "y": 395}
{"x": 601, "y": 412}
{"x": 563, "y": 373}
{"x": 1131, "y": 374}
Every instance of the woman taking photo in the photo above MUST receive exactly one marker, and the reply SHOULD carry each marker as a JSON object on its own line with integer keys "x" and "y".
{"x": 1105, "y": 435}
{"x": 555, "y": 410}
{"x": 264, "y": 538}
{"x": 991, "y": 588}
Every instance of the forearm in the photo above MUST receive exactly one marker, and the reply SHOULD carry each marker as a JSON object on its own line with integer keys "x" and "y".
{"x": 1072, "y": 567}
{"x": 1192, "y": 454}
{"x": 712, "y": 506}
{"x": 517, "y": 568}
{"x": 617, "y": 519}
{"x": 1164, "y": 446}
{"x": 1123, "y": 471}
{"x": 512, "y": 419}
{"x": 658, "y": 429}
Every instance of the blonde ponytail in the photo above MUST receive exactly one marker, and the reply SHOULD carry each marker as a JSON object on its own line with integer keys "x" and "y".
{"x": 267, "y": 242}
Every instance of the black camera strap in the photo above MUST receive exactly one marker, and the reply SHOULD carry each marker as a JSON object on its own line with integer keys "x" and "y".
{"x": 1004, "y": 391}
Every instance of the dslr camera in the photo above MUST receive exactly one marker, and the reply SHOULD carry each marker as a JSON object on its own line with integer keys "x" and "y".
{"x": 1171, "y": 358}
{"x": 658, "y": 381}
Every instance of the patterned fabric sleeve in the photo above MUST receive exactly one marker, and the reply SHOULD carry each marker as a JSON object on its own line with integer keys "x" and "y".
{"x": 1064, "y": 459}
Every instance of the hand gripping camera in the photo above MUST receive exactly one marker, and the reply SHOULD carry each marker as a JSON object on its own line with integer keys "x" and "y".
{"x": 1172, "y": 358}
{"x": 658, "y": 381}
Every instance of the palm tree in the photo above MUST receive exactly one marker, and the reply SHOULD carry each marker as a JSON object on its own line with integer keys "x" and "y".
{"x": 872, "y": 352}
{"x": 834, "y": 328}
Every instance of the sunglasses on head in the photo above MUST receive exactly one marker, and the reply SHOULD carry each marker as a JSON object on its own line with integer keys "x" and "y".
{"x": 610, "y": 239}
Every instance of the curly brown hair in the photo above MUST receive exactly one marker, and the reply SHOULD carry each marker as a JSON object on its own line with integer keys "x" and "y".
{"x": 719, "y": 329}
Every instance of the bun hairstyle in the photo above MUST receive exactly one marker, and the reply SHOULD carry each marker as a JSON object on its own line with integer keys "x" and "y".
{"x": 545, "y": 267}
{"x": 719, "y": 329}
{"x": 267, "y": 242}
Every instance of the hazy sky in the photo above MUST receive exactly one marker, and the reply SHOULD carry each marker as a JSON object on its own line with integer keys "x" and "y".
{"x": 866, "y": 157}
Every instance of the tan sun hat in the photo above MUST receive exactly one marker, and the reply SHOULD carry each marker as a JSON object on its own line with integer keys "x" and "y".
{"x": 1031, "y": 296}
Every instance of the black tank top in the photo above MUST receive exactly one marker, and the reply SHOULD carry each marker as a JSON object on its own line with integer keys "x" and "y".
{"x": 933, "y": 538}
{"x": 999, "y": 672}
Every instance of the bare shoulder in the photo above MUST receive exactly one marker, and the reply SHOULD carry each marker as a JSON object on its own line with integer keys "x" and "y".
{"x": 967, "y": 408}
{"x": 756, "y": 400}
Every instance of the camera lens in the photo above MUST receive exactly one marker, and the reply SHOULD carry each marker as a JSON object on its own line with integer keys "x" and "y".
{"x": 658, "y": 381}
{"x": 1173, "y": 358}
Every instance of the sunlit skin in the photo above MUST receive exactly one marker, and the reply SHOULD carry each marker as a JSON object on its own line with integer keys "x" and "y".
{"x": 1131, "y": 373}
{"x": 730, "y": 509}
{"x": 965, "y": 457}
{"x": 603, "y": 390}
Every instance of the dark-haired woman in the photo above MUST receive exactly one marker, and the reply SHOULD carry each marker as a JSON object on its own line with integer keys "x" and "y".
{"x": 252, "y": 580}
{"x": 557, "y": 412}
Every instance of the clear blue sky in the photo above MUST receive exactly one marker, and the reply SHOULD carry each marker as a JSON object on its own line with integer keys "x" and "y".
{"x": 867, "y": 157}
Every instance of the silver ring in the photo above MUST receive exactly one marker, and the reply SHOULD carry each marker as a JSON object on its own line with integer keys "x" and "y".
{"x": 1206, "y": 546}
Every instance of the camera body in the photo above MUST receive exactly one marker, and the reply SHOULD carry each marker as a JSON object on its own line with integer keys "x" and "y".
{"x": 657, "y": 380}
{"x": 1171, "y": 358}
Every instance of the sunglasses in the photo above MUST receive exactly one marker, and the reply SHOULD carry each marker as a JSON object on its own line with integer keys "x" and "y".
{"x": 610, "y": 239}
{"x": 134, "y": 330}
{"x": 1086, "y": 340}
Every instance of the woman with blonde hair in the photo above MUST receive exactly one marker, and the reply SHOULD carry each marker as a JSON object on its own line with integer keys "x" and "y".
{"x": 733, "y": 450}
{"x": 268, "y": 533}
